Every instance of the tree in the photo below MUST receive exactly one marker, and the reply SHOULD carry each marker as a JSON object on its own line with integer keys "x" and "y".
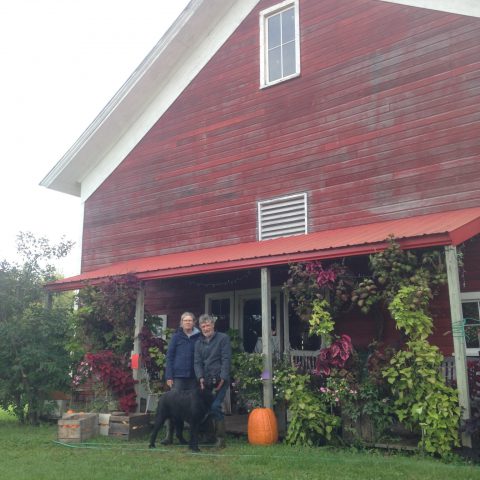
{"x": 105, "y": 319}
{"x": 34, "y": 353}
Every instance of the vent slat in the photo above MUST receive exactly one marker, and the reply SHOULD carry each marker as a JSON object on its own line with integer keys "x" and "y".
{"x": 299, "y": 223}
{"x": 286, "y": 233}
{"x": 282, "y": 217}
{"x": 283, "y": 205}
{"x": 284, "y": 212}
{"x": 282, "y": 230}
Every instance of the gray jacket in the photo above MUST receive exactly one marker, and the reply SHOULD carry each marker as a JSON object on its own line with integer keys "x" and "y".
{"x": 213, "y": 358}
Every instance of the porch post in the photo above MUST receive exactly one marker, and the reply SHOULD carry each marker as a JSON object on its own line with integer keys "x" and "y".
{"x": 458, "y": 333}
{"x": 139, "y": 320}
{"x": 267, "y": 338}
{"x": 286, "y": 325}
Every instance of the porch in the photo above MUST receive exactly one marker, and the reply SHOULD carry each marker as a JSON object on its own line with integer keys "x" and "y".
{"x": 216, "y": 280}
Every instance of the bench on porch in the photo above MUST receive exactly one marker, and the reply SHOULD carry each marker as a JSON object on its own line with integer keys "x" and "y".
{"x": 304, "y": 360}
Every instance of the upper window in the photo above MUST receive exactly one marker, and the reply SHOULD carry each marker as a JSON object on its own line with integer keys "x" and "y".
{"x": 279, "y": 43}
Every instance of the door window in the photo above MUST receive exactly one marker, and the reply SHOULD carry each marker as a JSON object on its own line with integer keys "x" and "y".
{"x": 471, "y": 320}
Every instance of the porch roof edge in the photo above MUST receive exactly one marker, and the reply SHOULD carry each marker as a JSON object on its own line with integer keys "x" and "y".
{"x": 436, "y": 229}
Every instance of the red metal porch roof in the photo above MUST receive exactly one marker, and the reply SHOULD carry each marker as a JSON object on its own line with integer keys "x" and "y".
{"x": 447, "y": 228}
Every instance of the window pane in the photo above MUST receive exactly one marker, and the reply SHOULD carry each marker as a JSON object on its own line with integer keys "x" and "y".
{"x": 288, "y": 25}
{"x": 472, "y": 324}
{"x": 220, "y": 308}
{"x": 274, "y": 64}
{"x": 274, "y": 33}
{"x": 252, "y": 323}
{"x": 470, "y": 310}
{"x": 471, "y": 336}
{"x": 289, "y": 59}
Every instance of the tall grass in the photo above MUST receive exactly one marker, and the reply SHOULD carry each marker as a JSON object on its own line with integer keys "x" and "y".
{"x": 32, "y": 453}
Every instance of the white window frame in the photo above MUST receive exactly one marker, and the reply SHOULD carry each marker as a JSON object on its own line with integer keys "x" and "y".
{"x": 264, "y": 15}
{"x": 252, "y": 294}
{"x": 465, "y": 298}
{"x": 237, "y": 299}
{"x": 222, "y": 296}
{"x": 161, "y": 330}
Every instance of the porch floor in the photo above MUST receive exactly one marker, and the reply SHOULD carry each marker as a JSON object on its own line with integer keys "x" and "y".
{"x": 236, "y": 424}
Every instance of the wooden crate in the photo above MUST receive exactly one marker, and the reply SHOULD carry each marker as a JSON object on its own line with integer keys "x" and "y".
{"x": 77, "y": 427}
{"x": 129, "y": 426}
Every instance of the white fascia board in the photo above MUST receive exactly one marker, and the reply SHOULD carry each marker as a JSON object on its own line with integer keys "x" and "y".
{"x": 67, "y": 175}
{"x": 183, "y": 51}
{"x": 462, "y": 7}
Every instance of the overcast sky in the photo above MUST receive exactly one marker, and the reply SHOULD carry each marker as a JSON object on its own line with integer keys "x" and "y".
{"x": 62, "y": 61}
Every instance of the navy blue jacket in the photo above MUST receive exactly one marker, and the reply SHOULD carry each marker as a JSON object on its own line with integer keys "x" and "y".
{"x": 180, "y": 355}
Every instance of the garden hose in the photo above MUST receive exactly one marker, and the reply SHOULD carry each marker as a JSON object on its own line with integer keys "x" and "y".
{"x": 105, "y": 446}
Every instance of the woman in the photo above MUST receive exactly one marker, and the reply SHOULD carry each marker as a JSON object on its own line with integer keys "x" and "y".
{"x": 179, "y": 372}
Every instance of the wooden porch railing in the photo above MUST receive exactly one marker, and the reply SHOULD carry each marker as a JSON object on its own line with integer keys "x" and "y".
{"x": 305, "y": 360}
{"x": 447, "y": 368}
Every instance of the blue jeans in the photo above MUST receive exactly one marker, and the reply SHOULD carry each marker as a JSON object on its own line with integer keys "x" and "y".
{"x": 216, "y": 407}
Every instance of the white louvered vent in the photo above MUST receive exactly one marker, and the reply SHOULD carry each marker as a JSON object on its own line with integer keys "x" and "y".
{"x": 282, "y": 217}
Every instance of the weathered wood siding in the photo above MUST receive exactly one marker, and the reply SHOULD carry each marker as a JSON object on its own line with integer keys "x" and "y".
{"x": 382, "y": 123}
{"x": 470, "y": 272}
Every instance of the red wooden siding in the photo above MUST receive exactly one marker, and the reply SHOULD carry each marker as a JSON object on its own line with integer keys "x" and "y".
{"x": 177, "y": 295}
{"x": 470, "y": 273}
{"x": 363, "y": 329}
{"x": 382, "y": 123}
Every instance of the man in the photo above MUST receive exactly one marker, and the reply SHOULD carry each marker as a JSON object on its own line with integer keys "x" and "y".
{"x": 213, "y": 354}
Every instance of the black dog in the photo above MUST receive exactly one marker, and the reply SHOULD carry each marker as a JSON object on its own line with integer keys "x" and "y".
{"x": 191, "y": 406}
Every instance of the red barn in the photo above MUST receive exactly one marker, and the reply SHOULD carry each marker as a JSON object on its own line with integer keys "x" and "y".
{"x": 258, "y": 133}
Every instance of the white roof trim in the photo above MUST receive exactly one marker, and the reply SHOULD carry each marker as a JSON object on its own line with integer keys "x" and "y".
{"x": 462, "y": 7}
{"x": 183, "y": 51}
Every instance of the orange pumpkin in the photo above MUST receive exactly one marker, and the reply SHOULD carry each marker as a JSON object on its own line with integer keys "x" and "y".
{"x": 262, "y": 427}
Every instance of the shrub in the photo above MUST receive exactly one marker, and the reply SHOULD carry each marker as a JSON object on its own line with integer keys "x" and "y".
{"x": 114, "y": 372}
{"x": 311, "y": 423}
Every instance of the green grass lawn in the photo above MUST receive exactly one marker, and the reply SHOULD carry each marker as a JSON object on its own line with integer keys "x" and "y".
{"x": 32, "y": 453}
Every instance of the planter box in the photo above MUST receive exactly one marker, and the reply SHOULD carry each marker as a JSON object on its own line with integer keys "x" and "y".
{"x": 77, "y": 427}
{"x": 361, "y": 429}
{"x": 129, "y": 426}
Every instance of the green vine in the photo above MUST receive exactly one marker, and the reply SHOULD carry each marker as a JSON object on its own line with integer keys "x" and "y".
{"x": 321, "y": 322}
{"x": 408, "y": 309}
{"x": 311, "y": 422}
{"x": 365, "y": 295}
{"x": 421, "y": 397}
{"x": 395, "y": 268}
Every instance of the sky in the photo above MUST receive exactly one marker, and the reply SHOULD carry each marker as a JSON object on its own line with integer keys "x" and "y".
{"x": 62, "y": 61}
